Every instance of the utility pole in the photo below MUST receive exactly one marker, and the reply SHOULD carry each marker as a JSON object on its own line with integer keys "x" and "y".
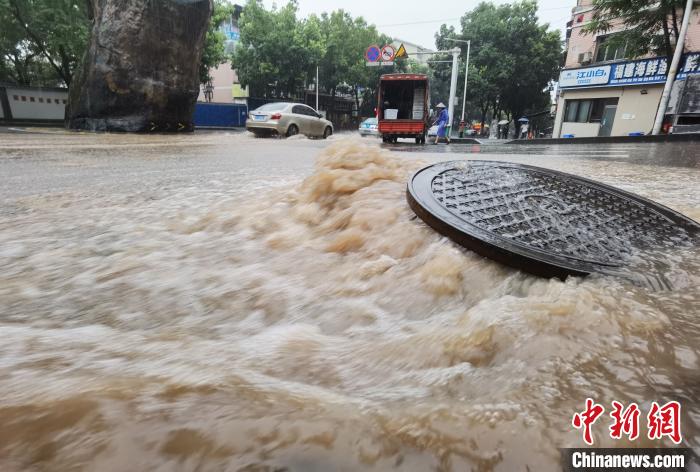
{"x": 466, "y": 79}
{"x": 453, "y": 87}
{"x": 663, "y": 105}
{"x": 466, "y": 71}
{"x": 317, "y": 89}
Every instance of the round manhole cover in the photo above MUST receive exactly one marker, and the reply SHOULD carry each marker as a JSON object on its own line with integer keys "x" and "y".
{"x": 542, "y": 221}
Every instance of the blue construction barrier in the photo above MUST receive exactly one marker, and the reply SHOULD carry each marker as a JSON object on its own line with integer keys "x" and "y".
{"x": 220, "y": 115}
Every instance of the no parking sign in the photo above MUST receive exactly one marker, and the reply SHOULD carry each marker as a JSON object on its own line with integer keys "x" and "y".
{"x": 372, "y": 54}
{"x": 377, "y": 56}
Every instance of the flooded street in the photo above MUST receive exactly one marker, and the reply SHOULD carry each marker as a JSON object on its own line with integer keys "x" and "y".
{"x": 218, "y": 302}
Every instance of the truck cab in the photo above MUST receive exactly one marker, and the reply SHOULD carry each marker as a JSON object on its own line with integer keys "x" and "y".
{"x": 403, "y": 105}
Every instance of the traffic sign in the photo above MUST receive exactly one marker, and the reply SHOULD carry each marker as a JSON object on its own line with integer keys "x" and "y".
{"x": 388, "y": 53}
{"x": 372, "y": 53}
{"x": 401, "y": 52}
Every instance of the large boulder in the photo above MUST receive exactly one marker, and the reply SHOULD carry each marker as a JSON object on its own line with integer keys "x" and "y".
{"x": 141, "y": 69}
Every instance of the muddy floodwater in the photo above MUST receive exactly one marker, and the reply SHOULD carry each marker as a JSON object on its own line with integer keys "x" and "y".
{"x": 220, "y": 303}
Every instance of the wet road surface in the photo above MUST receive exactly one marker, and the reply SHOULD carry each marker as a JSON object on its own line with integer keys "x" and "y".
{"x": 217, "y": 302}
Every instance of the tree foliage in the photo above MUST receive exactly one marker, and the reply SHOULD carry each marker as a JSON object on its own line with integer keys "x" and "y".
{"x": 42, "y": 42}
{"x": 651, "y": 26}
{"x": 342, "y": 64}
{"x": 513, "y": 57}
{"x": 278, "y": 53}
{"x": 40, "y": 36}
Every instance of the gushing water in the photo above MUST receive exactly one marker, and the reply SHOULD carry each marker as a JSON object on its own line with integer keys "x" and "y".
{"x": 312, "y": 325}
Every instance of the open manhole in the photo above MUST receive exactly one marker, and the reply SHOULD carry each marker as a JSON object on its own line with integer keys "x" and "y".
{"x": 544, "y": 222}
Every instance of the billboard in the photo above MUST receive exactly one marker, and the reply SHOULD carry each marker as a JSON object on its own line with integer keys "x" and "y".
{"x": 652, "y": 70}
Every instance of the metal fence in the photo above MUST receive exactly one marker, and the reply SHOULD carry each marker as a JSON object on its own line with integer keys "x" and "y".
{"x": 220, "y": 115}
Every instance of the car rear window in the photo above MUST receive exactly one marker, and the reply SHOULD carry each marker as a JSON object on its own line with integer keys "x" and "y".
{"x": 272, "y": 107}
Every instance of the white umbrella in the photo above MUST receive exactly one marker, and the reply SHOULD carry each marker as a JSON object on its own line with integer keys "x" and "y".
{"x": 503, "y": 122}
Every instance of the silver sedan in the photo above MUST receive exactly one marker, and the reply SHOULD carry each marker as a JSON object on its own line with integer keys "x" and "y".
{"x": 288, "y": 119}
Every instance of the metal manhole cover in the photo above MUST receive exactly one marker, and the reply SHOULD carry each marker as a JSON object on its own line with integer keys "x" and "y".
{"x": 542, "y": 221}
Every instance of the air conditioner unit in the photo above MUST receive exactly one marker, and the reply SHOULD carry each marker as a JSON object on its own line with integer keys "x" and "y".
{"x": 585, "y": 58}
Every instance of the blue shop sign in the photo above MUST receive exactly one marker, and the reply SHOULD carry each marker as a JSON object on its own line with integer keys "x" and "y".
{"x": 642, "y": 71}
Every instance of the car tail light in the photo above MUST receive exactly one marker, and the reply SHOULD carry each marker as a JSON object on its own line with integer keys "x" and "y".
{"x": 276, "y": 116}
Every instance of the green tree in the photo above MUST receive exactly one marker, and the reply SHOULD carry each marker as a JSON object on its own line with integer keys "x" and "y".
{"x": 533, "y": 62}
{"x": 342, "y": 65}
{"x": 513, "y": 57}
{"x": 18, "y": 57}
{"x": 651, "y": 26}
{"x": 52, "y": 31}
{"x": 42, "y": 42}
{"x": 276, "y": 53}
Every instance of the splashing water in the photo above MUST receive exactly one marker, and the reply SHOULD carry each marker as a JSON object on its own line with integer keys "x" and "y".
{"x": 311, "y": 326}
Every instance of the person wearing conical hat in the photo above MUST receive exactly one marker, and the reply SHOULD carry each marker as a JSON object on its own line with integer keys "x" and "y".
{"x": 442, "y": 121}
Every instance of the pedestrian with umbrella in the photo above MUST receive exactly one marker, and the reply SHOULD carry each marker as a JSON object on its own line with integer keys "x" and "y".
{"x": 442, "y": 121}
{"x": 503, "y": 129}
{"x": 524, "y": 127}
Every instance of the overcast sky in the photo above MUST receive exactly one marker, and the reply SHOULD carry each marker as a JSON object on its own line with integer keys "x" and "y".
{"x": 417, "y": 21}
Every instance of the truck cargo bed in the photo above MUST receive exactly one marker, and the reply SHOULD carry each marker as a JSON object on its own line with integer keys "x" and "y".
{"x": 401, "y": 127}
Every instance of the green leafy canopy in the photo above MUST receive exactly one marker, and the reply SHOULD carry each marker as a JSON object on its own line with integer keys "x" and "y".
{"x": 42, "y": 42}
{"x": 278, "y": 53}
{"x": 650, "y": 26}
{"x": 514, "y": 58}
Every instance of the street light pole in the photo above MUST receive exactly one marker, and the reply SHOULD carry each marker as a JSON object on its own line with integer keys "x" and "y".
{"x": 317, "y": 89}
{"x": 453, "y": 87}
{"x": 663, "y": 105}
{"x": 466, "y": 71}
{"x": 466, "y": 79}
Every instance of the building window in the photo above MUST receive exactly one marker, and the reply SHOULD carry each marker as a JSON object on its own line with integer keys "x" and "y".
{"x": 32, "y": 99}
{"x": 586, "y": 111}
{"x": 609, "y": 48}
{"x": 577, "y": 111}
{"x": 24, "y": 99}
{"x": 41, "y": 99}
{"x": 57, "y": 101}
{"x": 15, "y": 97}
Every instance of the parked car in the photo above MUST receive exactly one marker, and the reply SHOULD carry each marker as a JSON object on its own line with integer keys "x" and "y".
{"x": 287, "y": 119}
{"x": 369, "y": 127}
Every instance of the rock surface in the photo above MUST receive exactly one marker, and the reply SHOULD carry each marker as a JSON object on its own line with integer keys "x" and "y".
{"x": 140, "y": 72}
